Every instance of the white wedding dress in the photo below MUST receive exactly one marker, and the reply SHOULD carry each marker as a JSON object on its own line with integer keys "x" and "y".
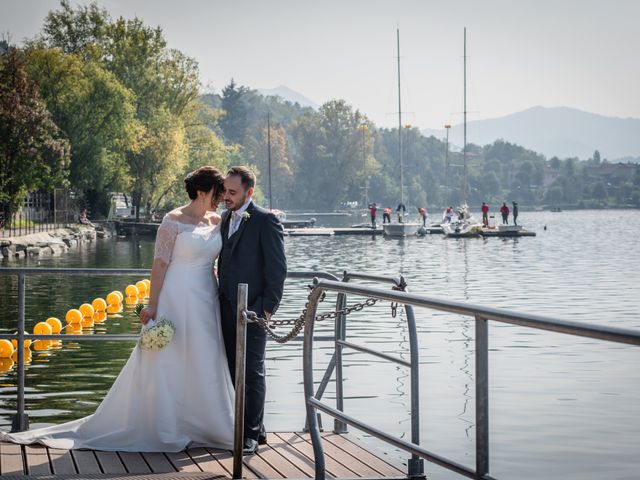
{"x": 180, "y": 396}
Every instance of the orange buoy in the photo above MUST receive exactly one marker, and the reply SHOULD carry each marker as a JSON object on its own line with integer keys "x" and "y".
{"x": 73, "y": 316}
{"x": 87, "y": 310}
{"x": 99, "y": 304}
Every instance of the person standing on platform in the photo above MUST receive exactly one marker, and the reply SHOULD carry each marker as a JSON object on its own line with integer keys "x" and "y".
{"x": 448, "y": 215}
{"x": 252, "y": 253}
{"x": 485, "y": 214}
{"x": 515, "y": 212}
{"x": 504, "y": 210}
{"x": 401, "y": 211}
{"x": 423, "y": 214}
{"x": 386, "y": 215}
{"x": 373, "y": 209}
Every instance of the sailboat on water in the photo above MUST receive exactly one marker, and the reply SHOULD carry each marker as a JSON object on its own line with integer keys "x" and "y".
{"x": 400, "y": 229}
{"x": 465, "y": 225}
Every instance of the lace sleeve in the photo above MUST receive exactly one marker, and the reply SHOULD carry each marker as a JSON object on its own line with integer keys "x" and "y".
{"x": 165, "y": 239}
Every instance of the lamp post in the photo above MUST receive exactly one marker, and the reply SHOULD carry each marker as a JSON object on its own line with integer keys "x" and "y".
{"x": 446, "y": 166}
{"x": 363, "y": 127}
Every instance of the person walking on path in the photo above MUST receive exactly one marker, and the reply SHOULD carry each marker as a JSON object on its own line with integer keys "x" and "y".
{"x": 423, "y": 215}
{"x": 504, "y": 210}
{"x": 515, "y": 212}
{"x": 373, "y": 209}
{"x": 485, "y": 214}
{"x": 386, "y": 215}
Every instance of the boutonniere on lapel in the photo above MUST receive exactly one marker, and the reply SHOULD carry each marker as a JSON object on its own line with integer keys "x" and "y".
{"x": 245, "y": 216}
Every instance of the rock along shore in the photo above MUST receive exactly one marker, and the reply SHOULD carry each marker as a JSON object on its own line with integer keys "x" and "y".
{"x": 53, "y": 242}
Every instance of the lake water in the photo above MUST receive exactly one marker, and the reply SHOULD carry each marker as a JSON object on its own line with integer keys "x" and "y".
{"x": 560, "y": 406}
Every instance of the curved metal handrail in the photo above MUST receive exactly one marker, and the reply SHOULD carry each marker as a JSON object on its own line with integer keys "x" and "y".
{"x": 482, "y": 315}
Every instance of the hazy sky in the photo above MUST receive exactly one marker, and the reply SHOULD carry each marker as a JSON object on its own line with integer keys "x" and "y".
{"x": 583, "y": 54}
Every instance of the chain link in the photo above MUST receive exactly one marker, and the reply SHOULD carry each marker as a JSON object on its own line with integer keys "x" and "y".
{"x": 298, "y": 323}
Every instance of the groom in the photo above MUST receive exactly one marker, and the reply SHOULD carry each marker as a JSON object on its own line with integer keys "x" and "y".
{"x": 252, "y": 253}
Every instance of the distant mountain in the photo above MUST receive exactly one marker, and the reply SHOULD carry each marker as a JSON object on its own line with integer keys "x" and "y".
{"x": 560, "y": 131}
{"x": 288, "y": 94}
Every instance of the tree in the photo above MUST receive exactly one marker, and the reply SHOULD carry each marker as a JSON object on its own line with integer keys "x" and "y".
{"x": 33, "y": 154}
{"x": 95, "y": 112}
{"x": 75, "y": 31}
{"x": 234, "y": 122}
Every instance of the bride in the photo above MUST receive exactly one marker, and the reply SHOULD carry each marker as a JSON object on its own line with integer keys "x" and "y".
{"x": 182, "y": 395}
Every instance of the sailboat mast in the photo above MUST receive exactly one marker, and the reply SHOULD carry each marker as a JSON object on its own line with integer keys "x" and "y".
{"x": 269, "y": 154}
{"x": 464, "y": 150}
{"x": 400, "y": 123}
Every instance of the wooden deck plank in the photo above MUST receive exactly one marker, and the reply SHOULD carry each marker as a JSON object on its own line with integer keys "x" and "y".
{"x": 206, "y": 461}
{"x": 376, "y": 463}
{"x": 353, "y": 463}
{"x": 226, "y": 460}
{"x": 288, "y": 455}
{"x": 11, "y": 459}
{"x": 292, "y": 454}
{"x": 334, "y": 468}
{"x": 86, "y": 462}
{"x": 158, "y": 462}
{"x": 182, "y": 462}
{"x": 61, "y": 461}
{"x": 37, "y": 460}
{"x": 110, "y": 462}
{"x": 280, "y": 463}
{"x": 260, "y": 467}
{"x": 133, "y": 462}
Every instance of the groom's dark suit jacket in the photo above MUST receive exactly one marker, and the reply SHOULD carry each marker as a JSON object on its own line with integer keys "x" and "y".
{"x": 253, "y": 255}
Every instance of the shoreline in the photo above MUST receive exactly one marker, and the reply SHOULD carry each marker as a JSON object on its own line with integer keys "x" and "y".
{"x": 51, "y": 243}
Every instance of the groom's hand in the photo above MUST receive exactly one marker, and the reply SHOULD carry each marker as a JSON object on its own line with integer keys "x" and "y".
{"x": 267, "y": 315}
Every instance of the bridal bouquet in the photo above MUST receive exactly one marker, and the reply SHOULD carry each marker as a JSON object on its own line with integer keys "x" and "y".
{"x": 154, "y": 335}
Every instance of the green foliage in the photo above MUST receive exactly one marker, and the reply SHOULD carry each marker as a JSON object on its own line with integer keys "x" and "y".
{"x": 129, "y": 105}
{"x": 33, "y": 152}
{"x": 94, "y": 111}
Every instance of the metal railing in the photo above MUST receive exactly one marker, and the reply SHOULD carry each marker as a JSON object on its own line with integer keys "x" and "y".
{"x": 21, "y": 419}
{"x": 482, "y": 315}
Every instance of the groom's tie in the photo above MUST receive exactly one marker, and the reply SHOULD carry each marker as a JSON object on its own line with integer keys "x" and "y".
{"x": 235, "y": 223}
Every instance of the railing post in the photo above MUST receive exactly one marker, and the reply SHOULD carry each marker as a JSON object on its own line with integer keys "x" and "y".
{"x": 21, "y": 419}
{"x": 416, "y": 464}
{"x": 307, "y": 373}
{"x": 340, "y": 333}
{"x": 241, "y": 358}
{"x": 482, "y": 397}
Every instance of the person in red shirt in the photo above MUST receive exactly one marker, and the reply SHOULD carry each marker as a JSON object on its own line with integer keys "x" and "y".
{"x": 423, "y": 214}
{"x": 504, "y": 210}
{"x": 373, "y": 209}
{"x": 485, "y": 214}
{"x": 386, "y": 215}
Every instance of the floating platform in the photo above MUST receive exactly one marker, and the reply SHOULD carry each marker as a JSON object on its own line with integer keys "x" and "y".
{"x": 358, "y": 231}
{"x": 328, "y": 232}
{"x": 507, "y": 231}
{"x": 287, "y": 455}
{"x": 309, "y": 232}
{"x": 124, "y": 228}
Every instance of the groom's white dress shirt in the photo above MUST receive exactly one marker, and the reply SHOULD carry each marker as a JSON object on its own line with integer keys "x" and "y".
{"x": 236, "y": 218}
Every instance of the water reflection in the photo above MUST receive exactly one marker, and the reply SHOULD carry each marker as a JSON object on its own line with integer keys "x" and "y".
{"x": 549, "y": 393}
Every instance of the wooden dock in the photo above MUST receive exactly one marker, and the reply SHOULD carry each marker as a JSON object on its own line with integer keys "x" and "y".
{"x": 288, "y": 455}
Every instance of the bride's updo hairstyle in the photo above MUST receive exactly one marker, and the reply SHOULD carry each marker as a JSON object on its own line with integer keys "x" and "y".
{"x": 204, "y": 179}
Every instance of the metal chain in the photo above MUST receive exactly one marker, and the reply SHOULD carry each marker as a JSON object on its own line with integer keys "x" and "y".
{"x": 394, "y": 305}
{"x": 298, "y": 323}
